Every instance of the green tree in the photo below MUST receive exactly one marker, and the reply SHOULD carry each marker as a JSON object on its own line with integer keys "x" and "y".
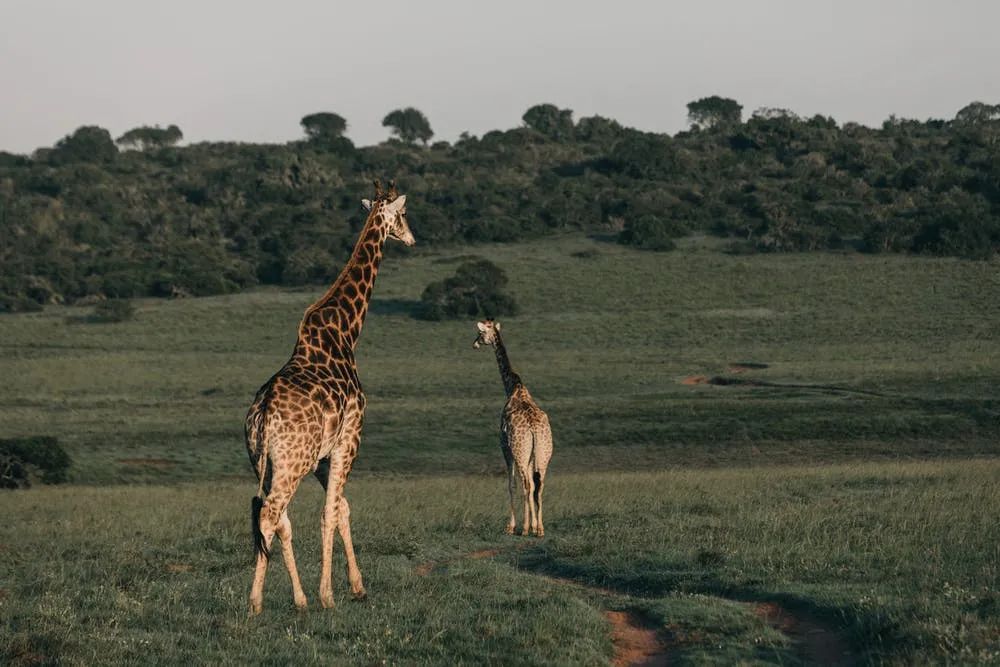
{"x": 474, "y": 291}
{"x": 550, "y": 120}
{"x": 324, "y": 126}
{"x": 977, "y": 112}
{"x": 714, "y": 111}
{"x": 89, "y": 143}
{"x": 409, "y": 124}
{"x": 146, "y": 137}
{"x": 598, "y": 129}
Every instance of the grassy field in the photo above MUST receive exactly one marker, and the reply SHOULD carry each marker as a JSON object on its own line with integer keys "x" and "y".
{"x": 814, "y": 434}
{"x": 604, "y": 341}
{"x": 899, "y": 560}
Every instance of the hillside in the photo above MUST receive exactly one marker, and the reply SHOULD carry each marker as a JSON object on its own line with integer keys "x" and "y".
{"x": 84, "y": 220}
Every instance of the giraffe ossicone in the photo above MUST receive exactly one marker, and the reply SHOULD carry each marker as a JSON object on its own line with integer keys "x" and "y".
{"x": 308, "y": 416}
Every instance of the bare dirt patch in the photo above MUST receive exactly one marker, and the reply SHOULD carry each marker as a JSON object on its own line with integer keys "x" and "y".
{"x": 425, "y": 569}
{"x": 636, "y": 640}
{"x": 695, "y": 379}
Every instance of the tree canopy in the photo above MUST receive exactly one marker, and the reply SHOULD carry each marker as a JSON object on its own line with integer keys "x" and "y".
{"x": 550, "y": 120}
{"x": 89, "y": 143}
{"x": 409, "y": 125}
{"x": 712, "y": 111}
{"x": 146, "y": 137}
{"x": 323, "y": 126}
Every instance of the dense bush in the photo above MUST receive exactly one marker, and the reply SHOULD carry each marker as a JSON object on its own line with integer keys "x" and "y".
{"x": 83, "y": 220}
{"x": 476, "y": 290}
{"x": 22, "y": 459}
{"x": 652, "y": 233}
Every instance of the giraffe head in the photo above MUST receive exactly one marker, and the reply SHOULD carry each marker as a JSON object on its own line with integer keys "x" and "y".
{"x": 489, "y": 333}
{"x": 391, "y": 208}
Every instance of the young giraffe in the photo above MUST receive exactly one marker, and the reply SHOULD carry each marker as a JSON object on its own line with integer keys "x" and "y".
{"x": 525, "y": 436}
{"x": 308, "y": 416}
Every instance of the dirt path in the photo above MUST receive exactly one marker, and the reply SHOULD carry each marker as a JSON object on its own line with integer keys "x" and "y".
{"x": 638, "y": 640}
{"x": 430, "y": 566}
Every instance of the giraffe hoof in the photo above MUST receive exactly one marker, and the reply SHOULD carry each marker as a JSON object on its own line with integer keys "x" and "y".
{"x": 360, "y": 596}
{"x": 301, "y": 603}
{"x": 327, "y": 602}
{"x": 524, "y": 533}
{"x": 255, "y": 608}
{"x": 509, "y": 530}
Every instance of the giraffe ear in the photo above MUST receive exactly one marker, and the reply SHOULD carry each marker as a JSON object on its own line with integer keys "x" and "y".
{"x": 367, "y": 203}
{"x": 496, "y": 325}
{"x": 481, "y": 326}
{"x": 398, "y": 203}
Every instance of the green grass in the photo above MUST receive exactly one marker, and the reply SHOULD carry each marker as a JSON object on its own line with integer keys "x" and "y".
{"x": 871, "y": 507}
{"x": 603, "y": 343}
{"x": 902, "y": 559}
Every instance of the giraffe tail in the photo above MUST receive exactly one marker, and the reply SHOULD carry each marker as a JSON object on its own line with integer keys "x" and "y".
{"x": 259, "y": 546}
{"x": 536, "y": 475}
{"x": 257, "y": 504}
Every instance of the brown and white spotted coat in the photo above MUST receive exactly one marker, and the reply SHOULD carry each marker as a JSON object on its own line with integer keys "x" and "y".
{"x": 308, "y": 416}
{"x": 525, "y": 437}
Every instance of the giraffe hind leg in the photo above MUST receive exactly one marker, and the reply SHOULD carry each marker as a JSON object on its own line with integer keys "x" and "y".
{"x": 527, "y": 492}
{"x": 511, "y": 483}
{"x": 539, "y": 488}
{"x": 288, "y": 554}
{"x": 269, "y": 521}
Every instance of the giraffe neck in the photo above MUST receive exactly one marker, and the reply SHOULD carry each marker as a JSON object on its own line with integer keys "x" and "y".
{"x": 510, "y": 379}
{"x": 334, "y": 322}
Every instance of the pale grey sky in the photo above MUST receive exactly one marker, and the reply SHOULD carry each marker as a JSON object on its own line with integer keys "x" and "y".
{"x": 248, "y": 70}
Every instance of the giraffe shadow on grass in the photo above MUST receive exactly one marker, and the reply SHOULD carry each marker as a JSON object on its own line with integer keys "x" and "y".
{"x": 818, "y": 633}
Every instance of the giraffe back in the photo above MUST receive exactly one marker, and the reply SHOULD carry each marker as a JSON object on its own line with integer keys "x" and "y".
{"x": 525, "y": 434}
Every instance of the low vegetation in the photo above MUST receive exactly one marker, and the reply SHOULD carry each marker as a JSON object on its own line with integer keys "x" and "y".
{"x": 39, "y": 458}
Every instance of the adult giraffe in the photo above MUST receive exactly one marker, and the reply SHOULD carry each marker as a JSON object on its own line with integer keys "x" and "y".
{"x": 308, "y": 416}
